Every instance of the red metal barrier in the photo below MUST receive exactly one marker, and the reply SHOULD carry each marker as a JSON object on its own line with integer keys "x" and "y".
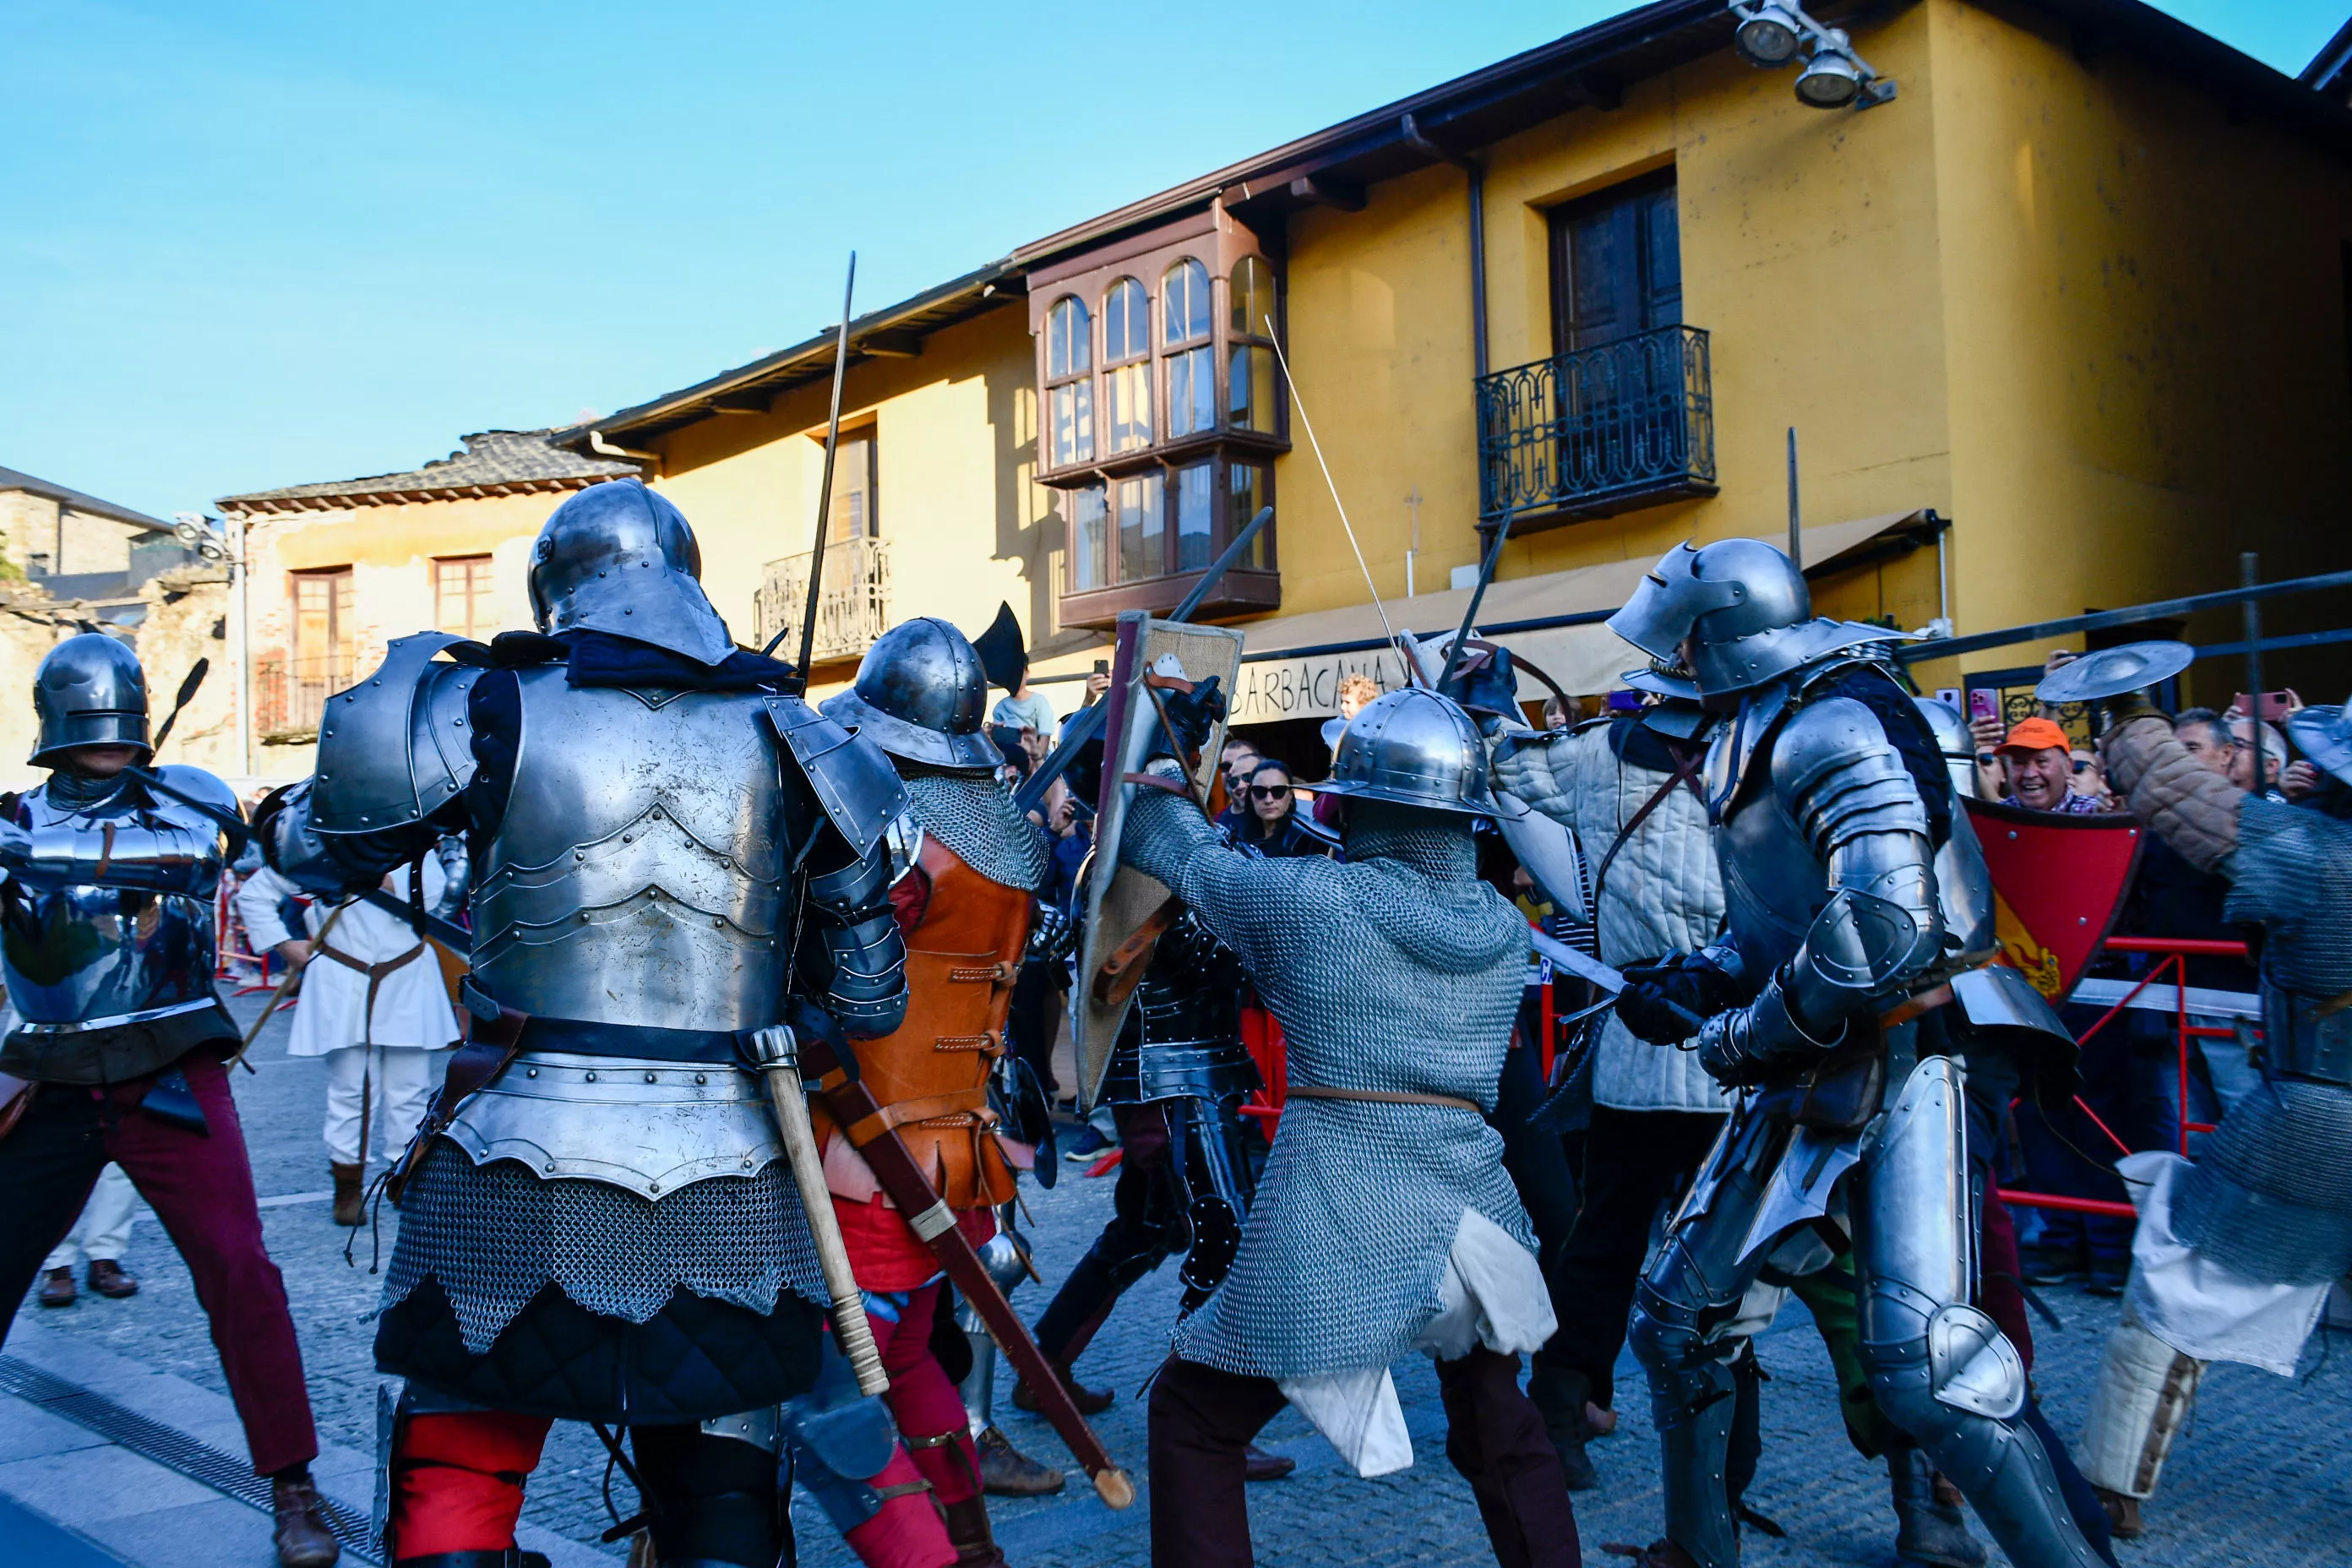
{"x": 2175, "y": 952}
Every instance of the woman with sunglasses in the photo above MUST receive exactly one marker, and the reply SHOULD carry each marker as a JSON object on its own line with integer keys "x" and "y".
{"x": 1270, "y": 826}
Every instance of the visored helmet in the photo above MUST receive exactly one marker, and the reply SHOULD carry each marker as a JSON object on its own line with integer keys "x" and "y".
{"x": 1414, "y": 748}
{"x": 619, "y": 558}
{"x": 1741, "y": 603}
{"x": 921, "y": 694}
{"x": 89, "y": 691}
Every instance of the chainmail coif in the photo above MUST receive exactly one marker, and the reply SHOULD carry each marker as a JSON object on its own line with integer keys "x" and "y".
{"x": 973, "y": 814}
{"x": 494, "y": 1234}
{"x": 1397, "y": 971}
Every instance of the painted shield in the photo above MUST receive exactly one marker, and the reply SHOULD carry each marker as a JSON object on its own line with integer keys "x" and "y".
{"x": 1125, "y": 910}
{"x": 2058, "y": 884}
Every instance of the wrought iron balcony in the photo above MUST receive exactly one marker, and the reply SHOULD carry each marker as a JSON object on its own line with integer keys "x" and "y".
{"x": 1598, "y": 431}
{"x": 289, "y": 695}
{"x": 853, "y": 607}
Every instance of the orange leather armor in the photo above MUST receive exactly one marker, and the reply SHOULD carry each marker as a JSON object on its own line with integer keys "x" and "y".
{"x": 963, "y": 952}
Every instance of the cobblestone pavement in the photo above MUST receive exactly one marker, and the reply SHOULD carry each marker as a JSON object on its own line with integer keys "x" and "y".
{"x": 2262, "y": 1477}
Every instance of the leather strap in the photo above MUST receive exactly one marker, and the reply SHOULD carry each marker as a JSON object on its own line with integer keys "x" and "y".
{"x": 1382, "y": 1097}
{"x": 1117, "y": 976}
{"x": 1916, "y": 1006}
{"x": 375, "y": 974}
{"x": 962, "y": 1103}
{"x": 1687, "y": 764}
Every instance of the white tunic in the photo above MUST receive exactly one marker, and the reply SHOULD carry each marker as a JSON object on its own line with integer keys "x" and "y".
{"x": 412, "y": 1007}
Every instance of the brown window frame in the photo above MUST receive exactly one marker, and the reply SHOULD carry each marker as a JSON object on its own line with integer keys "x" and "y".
{"x": 474, "y": 596}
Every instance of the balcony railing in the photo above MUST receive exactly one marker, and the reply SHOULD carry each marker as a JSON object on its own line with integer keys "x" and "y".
{"x": 289, "y": 695}
{"x": 1598, "y": 431}
{"x": 853, "y": 609}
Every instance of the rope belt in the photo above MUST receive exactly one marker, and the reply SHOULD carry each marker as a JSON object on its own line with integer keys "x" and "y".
{"x": 1381, "y": 1097}
{"x": 375, "y": 974}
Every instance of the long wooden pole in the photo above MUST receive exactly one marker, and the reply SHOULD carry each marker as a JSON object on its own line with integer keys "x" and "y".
{"x": 825, "y": 492}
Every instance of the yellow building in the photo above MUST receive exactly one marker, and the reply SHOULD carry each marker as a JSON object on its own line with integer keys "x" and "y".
{"x": 2059, "y": 321}
{"x": 335, "y": 571}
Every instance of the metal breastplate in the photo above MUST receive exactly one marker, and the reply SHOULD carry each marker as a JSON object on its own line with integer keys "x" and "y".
{"x": 90, "y": 958}
{"x": 1773, "y": 883}
{"x": 2300, "y": 1041}
{"x": 1186, "y": 1041}
{"x": 638, "y": 875}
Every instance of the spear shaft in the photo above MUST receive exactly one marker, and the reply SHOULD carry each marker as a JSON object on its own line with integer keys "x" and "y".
{"x": 824, "y": 491}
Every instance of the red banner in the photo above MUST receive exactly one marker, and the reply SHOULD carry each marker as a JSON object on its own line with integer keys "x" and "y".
{"x": 2058, "y": 884}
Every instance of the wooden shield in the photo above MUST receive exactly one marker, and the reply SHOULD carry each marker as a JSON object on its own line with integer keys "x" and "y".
{"x": 1125, "y": 909}
{"x": 2058, "y": 884}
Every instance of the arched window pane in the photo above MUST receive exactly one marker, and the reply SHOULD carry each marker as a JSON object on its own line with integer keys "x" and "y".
{"x": 1252, "y": 293}
{"x": 1127, "y": 321}
{"x": 1069, "y": 333}
{"x": 1184, "y": 301}
{"x": 1090, "y": 538}
{"x": 1250, "y": 388}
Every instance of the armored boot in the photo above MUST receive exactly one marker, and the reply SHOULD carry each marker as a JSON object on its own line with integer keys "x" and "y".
{"x": 1562, "y": 1396}
{"x": 1006, "y": 1471}
{"x": 968, "y": 1532}
{"x": 1931, "y": 1530}
{"x": 350, "y": 1190}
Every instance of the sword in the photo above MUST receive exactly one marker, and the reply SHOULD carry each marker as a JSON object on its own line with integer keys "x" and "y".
{"x": 1089, "y": 723}
{"x": 862, "y": 1121}
{"x": 778, "y": 1053}
{"x": 1599, "y": 973}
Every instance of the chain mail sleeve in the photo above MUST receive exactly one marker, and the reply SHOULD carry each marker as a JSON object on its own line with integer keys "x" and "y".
{"x": 2185, "y": 804}
{"x": 1259, "y": 908}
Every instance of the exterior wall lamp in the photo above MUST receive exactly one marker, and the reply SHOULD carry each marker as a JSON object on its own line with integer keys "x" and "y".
{"x": 1772, "y": 33}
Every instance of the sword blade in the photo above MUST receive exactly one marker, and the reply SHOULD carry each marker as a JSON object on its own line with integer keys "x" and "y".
{"x": 1577, "y": 964}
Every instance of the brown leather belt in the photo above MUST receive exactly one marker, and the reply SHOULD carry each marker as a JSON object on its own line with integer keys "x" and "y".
{"x": 1918, "y": 1004}
{"x": 1379, "y": 1096}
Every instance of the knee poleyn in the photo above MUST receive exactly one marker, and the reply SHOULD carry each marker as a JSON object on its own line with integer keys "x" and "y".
{"x": 1955, "y": 1370}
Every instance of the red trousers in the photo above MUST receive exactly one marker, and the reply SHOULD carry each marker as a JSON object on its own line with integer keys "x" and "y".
{"x": 907, "y": 1532}
{"x": 201, "y": 1187}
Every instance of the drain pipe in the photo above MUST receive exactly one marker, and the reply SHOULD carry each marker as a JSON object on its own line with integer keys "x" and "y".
{"x": 1476, "y": 174}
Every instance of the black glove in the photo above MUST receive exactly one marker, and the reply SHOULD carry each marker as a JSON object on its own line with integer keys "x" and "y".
{"x": 1191, "y": 716}
{"x": 1685, "y": 981}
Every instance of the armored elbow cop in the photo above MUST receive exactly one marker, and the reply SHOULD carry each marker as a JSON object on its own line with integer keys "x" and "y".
{"x": 860, "y": 957}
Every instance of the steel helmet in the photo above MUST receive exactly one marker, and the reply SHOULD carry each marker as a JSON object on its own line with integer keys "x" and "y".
{"x": 89, "y": 691}
{"x": 1741, "y": 603}
{"x": 620, "y": 558}
{"x": 1414, "y": 748}
{"x": 921, "y": 694}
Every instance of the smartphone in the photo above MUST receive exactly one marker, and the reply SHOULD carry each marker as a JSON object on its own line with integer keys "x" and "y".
{"x": 1102, "y": 667}
{"x": 2274, "y": 705}
{"x": 1983, "y": 704}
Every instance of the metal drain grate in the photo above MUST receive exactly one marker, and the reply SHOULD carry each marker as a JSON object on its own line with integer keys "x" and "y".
{"x": 169, "y": 1447}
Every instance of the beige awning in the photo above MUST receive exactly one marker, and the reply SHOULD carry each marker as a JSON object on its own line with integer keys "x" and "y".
{"x": 1587, "y": 657}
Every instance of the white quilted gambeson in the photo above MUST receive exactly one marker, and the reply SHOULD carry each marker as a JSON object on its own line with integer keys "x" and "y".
{"x": 1664, "y": 894}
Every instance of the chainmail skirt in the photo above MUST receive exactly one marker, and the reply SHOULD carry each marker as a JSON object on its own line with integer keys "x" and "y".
{"x": 2271, "y": 1195}
{"x": 493, "y": 1236}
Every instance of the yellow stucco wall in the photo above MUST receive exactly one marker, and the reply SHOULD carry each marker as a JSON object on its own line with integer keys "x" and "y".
{"x": 2146, "y": 298}
{"x": 955, "y": 444}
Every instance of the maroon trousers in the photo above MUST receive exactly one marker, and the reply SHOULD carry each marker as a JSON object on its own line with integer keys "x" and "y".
{"x": 201, "y": 1187}
{"x": 1203, "y": 1419}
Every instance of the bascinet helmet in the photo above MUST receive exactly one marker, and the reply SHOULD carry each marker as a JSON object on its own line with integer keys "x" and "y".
{"x": 921, "y": 695}
{"x": 619, "y": 558}
{"x": 1414, "y": 748}
{"x": 1742, "y": 604}
{"x": 89, "y": 691}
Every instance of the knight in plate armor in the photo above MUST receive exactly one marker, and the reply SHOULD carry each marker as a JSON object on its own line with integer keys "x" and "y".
{"x": 597, "y": 1221}
{"x": 1384, "y": 1220}
{"x": 965, "y": 906}
{"x": 1854, "y": 1003}
{"x": 121, "y": 1049}
{"x": 2234, "y": 1255}
{"x": 1176, "y": 1074}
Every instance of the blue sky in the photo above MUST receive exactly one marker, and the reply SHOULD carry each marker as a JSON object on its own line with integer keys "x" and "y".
{"x": 248, "y": 245}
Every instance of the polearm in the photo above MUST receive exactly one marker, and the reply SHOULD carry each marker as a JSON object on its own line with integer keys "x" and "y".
{"x": 864, "y": 1122}
{"x": 824, "y": 490}
{"x": 1470, "y": 616}
{"x": 1089, "y": 723}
